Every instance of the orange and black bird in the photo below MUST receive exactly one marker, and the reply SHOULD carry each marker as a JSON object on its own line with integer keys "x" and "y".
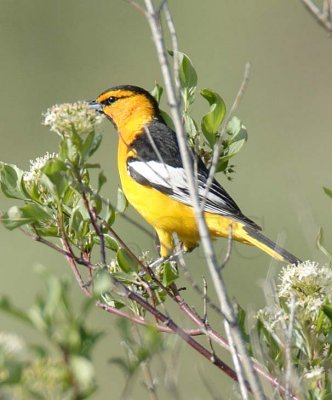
{"x": 154, "y": 180}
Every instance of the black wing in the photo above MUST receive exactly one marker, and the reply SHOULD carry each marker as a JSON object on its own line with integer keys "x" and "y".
{"x": 158, "y": 164}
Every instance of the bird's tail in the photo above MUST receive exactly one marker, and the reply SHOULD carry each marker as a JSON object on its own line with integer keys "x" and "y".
{"x": 256, "y": 238}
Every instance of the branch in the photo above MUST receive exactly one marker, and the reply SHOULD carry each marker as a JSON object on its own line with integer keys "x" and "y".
{"x": 324, "y": 18}
{"x": 226, "y": 307}
{"x": 128, "y": 293}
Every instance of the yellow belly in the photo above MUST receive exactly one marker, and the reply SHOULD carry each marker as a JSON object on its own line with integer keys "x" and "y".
{"x": 169, "y": 216}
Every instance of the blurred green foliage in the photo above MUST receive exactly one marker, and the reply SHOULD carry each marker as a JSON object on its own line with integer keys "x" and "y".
{"x": 61, "y": 369}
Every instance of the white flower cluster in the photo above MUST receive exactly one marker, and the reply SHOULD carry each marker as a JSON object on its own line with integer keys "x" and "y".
{"x": 314, "y": 373}
{"x": 36, "y": 165}
{"x": 11, "y": 344}
{"x": 66, "y": 117}
{"x": 309, "y": 283}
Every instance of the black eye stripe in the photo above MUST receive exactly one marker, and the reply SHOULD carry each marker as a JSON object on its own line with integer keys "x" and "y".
{"x": 110, "y": 100}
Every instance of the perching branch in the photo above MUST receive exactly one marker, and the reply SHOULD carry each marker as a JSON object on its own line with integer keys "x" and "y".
{"x": 226, "y": 307}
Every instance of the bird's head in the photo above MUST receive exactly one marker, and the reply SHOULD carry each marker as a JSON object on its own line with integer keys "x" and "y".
{"x": 128, "y": 107}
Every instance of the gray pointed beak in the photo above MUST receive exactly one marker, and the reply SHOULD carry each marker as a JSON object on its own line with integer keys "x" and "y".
{"x": 96, "y": 106}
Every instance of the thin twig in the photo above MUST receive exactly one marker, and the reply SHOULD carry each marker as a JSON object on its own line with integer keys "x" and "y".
{"x": 217, "y": 146}
{"x": 37, "y": 238}
{"x": 169, "y": 327}
{"x": 322, "y": 17}
{"x": 138, "y": 7}
{"x": 73, "y": 267}
{"x": 126, "y": 292}
{"x": 175, "y": 49}
{"x": 237, "y": 362}
{"x": 188, "y": 275}
{"x": 205, "y": 315}
{"x": 94, "y": 221}
{"x": 161, "y": 328}
{"x": 174, "y": 327}
{"x": 146, "y": 370}
{"x": 229, "y": 248}
{"x": 157, "y": 36}
{"x": 232, "y": 347}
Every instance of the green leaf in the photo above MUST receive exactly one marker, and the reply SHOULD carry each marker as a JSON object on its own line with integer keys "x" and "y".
{"x": 157, "y": 92}
{"x": 236, "y": 130}
{"x": 171, "y": 273}
{"x": 53, "y": 298}
{"x": 122, "y": 363}
{"x": 327, "y": 191}
{"x": 10, "y": 181}
{"x": 111, "y": 301}
{"x": 168, "y": 120}
{"x": 190, "y": 125}
{"x": 212, "y": 120}
{"x": 327, "y": 311}
{"x": 91, "y": 145}
{"x": 36, "y": 212}
{"x": 241, "y": 318}
{"x": 109, "y": 215}
{"x": 11, "y": 370}
{"x": 101, "y": 180}
{"x": 238, "y": 135}
{"x": 70, "y": 149}
{"x": 7, "y": 306}
{"x": 27, "y": 214}
{"x": 49, "y": 230}
{"x": 187, "y": 72}
{"x": 14, "y": 218}
{"x": 125, "y": 261}
{"x": 188, "y": 78}
{"x": 102, "y": 282}
{"x": 111, "y": 243}
{"x": 83, "y": 210}
{"x": 122, "y": 202}
{"x": 55, "y": 170}
{"x": 78, "y": 224}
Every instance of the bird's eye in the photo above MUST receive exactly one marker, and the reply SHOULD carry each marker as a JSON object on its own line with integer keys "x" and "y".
{"x": 109, "y": 101}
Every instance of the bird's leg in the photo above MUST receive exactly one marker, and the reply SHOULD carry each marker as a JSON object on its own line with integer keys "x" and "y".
{"x": 167, "y": 249}
{"x": 171, "y": 257}
{"x": 188, "y": 247}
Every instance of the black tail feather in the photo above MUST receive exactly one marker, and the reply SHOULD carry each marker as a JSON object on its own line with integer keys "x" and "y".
{"x": 254, "y": 233}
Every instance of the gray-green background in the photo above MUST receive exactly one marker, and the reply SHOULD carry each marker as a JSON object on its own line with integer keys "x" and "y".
{"x": 58, "y": 51}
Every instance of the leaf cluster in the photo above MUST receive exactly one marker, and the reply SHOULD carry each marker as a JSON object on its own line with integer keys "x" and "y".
{"x": 210, "y": 134}
{"x": 59, "y": 368}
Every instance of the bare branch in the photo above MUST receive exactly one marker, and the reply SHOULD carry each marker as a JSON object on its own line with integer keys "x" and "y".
{"x": 58, "y": 249}
{"x": 138, "y": 7}
{"x": 323, "y": 17}
{"x": 175, "y": 49}
{"x": 157, "y": 36}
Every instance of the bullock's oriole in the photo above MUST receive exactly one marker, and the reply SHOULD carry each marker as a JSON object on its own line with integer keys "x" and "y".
{"x": 154, "y": 180}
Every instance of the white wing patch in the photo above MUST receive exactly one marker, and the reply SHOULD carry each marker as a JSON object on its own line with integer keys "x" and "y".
{"x": 173, "y": 181}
